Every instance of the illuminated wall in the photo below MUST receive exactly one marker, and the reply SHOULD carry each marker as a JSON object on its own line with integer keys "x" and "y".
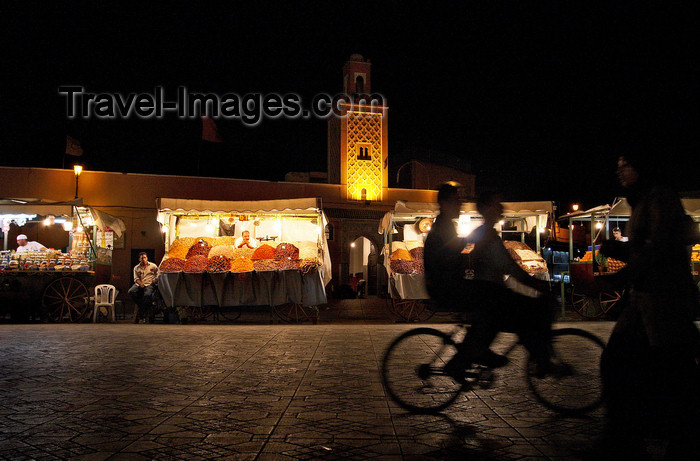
{"x": 363, "y": 156}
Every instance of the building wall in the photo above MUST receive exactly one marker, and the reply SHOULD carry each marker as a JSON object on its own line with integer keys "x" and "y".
{"x": 132, "y": 197}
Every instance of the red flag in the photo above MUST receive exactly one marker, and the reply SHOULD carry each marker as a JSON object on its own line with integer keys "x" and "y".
{"x": 209, "y": 131}
{"x": 73, "y": 147}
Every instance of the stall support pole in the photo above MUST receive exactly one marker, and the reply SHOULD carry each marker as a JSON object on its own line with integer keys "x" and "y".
{"x": 571, "y": 240}
{"x": 5, "y": 240}
{"x": 537, "y": 234}
{"x": 593, "y": 240}
{"x": 563, "y": 293}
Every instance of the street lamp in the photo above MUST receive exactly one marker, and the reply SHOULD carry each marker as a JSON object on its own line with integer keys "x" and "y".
{"x": 77, "y": 169}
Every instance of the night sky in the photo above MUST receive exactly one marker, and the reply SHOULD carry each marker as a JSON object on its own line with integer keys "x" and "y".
{"x": 540, "y": 97}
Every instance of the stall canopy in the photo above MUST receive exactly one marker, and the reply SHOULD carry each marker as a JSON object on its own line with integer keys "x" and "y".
{"x": 10, "y": 207}
{"x": 621, "y": 209}
{"x": 526, "y": 210}
{"x": 168, "y": 207}
{"x": 39, "y": 207}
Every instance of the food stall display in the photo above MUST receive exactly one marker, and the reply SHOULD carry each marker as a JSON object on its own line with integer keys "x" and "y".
{"x": 53, "y": 283}
{"x": 593, "y": 293}
{"x": 406, "y": 227}
{"x": 286, "y": 264}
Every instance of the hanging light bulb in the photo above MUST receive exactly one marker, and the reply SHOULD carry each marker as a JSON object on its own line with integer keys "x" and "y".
{"x": 67, "y": 226}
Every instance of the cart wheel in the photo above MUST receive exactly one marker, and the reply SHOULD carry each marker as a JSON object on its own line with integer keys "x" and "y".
{"x": 608, "y": 299}
{"x": 411, "y": 310}
{"x": 586, "y": 306}
{"x": 66, "y": 299}
{"x": 227, "y": 314}
{"x": 296, "y": 313}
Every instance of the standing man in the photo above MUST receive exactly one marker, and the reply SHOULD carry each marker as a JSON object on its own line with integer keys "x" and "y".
{"x": 617, "y": 235}
{"x": 145, "y": 277}
{"x": 23, "y": 245}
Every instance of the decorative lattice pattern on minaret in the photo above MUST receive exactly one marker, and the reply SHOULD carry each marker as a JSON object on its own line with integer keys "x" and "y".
{"x": 364, "y": 174}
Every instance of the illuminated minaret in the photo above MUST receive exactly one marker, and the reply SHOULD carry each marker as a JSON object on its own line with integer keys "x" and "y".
{"x": 357, "y": 142}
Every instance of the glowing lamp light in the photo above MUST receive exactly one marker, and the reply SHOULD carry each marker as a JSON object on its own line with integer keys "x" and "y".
{"x": 352, "y": 245}
{"x": 574, "y": 207}
{"x": 67, "y": 226}
{"x": 77, "y": 169}
{"x": 164, "y": 229}
{"x": 599, "y": 225}
{"x": 464, "y": 225}
{"x": 209, "y": 228}
{"x": 501, "y": 222}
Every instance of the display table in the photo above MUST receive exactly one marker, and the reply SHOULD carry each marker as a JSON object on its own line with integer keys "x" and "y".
{"x": 268, "y": 288}
{"x": 408, "y": 286}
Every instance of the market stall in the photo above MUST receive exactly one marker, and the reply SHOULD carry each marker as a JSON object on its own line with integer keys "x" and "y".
{"x": 593, "y": 291}
{"x": 254, "y": 253}
{"x": 54, "y": 282}
{"x": 406, "y": 227}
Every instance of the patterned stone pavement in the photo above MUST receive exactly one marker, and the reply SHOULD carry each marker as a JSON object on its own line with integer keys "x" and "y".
{"x": 252, "y": 391}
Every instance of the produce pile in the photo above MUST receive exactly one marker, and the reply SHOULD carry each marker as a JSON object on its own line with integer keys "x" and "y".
{"x": 201, "y": 248}
{"x": 242, "y": 264}
{"x": 405, "y": 260}
{"x": 172, "y": 265}
{"x": 206, "y": 254}
{"x": 219, "y": 263}
{"x": 196, "y": 263}
{"x": 695, "y": 255}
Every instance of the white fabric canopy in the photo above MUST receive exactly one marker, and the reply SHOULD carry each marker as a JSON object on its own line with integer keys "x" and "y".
{"x": 224, "y": 206}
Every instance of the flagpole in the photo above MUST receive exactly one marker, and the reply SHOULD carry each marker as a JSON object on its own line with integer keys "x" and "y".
{"x": 199, "y": 154}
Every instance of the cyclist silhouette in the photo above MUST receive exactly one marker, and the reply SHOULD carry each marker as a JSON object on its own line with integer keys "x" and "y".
{"x": 492, "y": 306}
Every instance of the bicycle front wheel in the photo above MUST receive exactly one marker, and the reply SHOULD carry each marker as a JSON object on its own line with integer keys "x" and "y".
{"x": 581, "y": 390}
{"x": 413, "y": 371}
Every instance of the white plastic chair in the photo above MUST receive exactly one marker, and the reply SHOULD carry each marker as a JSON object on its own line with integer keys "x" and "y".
{"x": 104, "y": 297}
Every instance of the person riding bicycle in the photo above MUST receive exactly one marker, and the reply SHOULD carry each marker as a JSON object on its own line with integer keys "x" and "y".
{"x": 492, "y": 306}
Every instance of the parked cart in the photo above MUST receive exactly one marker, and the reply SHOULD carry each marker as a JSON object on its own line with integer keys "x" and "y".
{"x": 50, "y": 284}
{"x": 205, "y": 269}
{"x": 406, "y": 227}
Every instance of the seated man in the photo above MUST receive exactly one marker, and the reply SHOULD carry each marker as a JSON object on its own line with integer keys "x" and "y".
{"x": 492, "y": 306}
{"x": 145, "y": 278}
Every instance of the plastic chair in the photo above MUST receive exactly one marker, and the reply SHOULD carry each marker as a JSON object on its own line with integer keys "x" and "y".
{"x": 104, "y": 297}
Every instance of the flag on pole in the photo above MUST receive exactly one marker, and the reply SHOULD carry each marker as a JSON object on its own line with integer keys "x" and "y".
{"x": 73, "y": 147}
{"x": 209, "y": 131}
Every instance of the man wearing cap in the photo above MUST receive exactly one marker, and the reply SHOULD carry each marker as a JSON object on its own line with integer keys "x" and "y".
{"x": 23, "y": 245}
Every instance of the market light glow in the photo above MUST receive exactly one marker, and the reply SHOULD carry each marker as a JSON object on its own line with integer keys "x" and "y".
{"x": 77, "y": 169}
{"x": 67, "y": 226}
{"x": 574, "y": 207}
{"x": 599, "y": 225}
{"x": 352, "y": 245}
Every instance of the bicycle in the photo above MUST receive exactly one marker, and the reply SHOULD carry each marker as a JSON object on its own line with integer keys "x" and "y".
{"x": 414, "y": 376}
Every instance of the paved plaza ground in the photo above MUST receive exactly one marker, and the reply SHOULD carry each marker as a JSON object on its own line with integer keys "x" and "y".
{"x": 254, "y": 390}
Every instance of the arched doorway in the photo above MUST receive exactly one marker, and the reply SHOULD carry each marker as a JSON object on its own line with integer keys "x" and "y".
{"x": 363, "y": 266}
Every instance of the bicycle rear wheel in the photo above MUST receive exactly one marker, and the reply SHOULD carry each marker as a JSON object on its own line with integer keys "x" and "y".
{"x": 581, "y": 391}
{"x": 413, "y": 371}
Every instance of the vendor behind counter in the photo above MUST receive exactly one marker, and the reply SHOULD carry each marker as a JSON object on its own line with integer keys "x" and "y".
{"x": 24, "y": 245}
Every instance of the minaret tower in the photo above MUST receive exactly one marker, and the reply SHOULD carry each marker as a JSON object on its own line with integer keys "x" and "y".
{"x": 357, "y": 141}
